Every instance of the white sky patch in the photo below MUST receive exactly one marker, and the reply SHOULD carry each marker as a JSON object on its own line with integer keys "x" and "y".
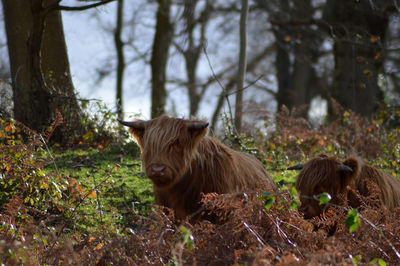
{"x": 90, "y": 48}
{"x": 318, "y": 110}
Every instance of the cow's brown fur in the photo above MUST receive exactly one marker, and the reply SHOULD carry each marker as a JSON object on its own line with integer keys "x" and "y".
{"x": 195, "y": 164}
{"x": 322, "y": 174}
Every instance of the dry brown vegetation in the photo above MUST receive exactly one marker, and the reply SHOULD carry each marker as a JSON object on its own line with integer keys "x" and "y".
{"x": 253, "y": 228}
{"x": 249, "y": 233}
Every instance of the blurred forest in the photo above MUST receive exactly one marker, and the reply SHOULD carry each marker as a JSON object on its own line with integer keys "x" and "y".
{"x": 300, "y": 54}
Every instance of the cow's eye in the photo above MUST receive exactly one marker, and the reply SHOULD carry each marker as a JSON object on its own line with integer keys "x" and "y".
{"x": 174, "y": 145}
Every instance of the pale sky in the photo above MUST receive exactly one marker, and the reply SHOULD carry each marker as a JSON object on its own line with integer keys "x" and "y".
{"x": 90, "y": 47}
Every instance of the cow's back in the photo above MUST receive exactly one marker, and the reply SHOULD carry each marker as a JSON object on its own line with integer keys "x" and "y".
{"x": 225, "y": 170}
{"x": 214, "y": 168}
{"x": 389, "y": 185}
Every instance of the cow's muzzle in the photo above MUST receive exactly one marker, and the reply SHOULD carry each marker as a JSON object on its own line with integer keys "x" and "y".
{"x": 157, "y": 170}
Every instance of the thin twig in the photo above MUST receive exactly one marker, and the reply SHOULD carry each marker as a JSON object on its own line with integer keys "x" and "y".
{"x": 49, "y": 152}
{"x": 379, "y": 230}
{"x": 258, "y": 237}
{"x": 244, "y": 88}
{"x": 98, "y": 200}
{"x": 220, "y": 84}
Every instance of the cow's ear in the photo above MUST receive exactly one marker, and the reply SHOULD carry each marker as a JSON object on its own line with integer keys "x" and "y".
{"x": 197, "y": 130}
{"x": 137, "y": 133}
{"x": 136, "y": 128}
{"x": 349, "y": 170}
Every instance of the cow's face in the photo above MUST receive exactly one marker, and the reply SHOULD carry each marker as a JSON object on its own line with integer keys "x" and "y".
{"x": 167, "y": 146}
{"x": 309, "y": 203}
{"x": 323, "y": 174}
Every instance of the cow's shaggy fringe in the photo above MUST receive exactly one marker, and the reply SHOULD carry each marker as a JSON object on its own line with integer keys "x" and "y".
{"x": 322, "y": 174}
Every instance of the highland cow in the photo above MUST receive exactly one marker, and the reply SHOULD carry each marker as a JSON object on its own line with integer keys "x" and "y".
{"x": 342, "y": 180}
{"x": 182, "y": 162}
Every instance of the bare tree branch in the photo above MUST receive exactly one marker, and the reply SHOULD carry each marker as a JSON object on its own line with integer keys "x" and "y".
{"x": 252, "y": 64}
{"x": 303, "y": 22}
{"x": 80, "y": 8}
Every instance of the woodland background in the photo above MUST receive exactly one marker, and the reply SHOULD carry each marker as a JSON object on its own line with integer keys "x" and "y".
{"x": 284, "y": 80}
{"x": 185, "y": 55}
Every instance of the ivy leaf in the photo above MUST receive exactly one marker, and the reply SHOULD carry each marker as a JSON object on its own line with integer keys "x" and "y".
{"x": 356, "y": 259}
{"x": 293, "y": 191}
{"x": 324, "y": 198}
{"x": 187, "y": 237}
{"x": 294, "y": 204}
{"x": 352, "y": 221}
{"x": 380, "y": 262}
{"x": 269, "y": 199}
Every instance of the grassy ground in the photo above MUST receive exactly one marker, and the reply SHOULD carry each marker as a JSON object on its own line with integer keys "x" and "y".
{"x": 121, "y": 188}
{"x": 112, "y": 180}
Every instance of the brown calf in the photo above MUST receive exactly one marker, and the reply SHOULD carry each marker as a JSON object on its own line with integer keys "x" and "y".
{"x": 327, "y": 174}
{"x": 182, "y": 163}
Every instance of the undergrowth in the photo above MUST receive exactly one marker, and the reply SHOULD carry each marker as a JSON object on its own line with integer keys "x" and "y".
{"x": 92, "y": 205}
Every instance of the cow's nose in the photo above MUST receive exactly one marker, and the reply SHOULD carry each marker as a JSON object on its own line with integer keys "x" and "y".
{"x": 157, "y": 170}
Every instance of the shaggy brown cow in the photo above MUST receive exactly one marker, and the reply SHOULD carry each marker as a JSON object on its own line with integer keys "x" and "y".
{"x": 182, "y": 163}
{"x": 327, "y": 174}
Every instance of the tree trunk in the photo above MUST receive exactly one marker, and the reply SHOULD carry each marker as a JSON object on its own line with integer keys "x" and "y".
{"x": 242, "y": 64}
{"x": 303, "y": 62}
{"x": 39, "y": 67}
{"x": 360, "y": 29}
{"x": 119, "y": 45}
{"x": 191, "y": 55}
{"x": 284, "y": 95}
{"x": 277, "y": 11}
{"x": 296, "y": 79}
{"x": 193, "y": 51}
{"x": 159, "y": 58}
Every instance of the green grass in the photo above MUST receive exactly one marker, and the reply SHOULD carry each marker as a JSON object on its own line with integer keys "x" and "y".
{"x": 284, "y": 179}
{"x": 115, "y": 175}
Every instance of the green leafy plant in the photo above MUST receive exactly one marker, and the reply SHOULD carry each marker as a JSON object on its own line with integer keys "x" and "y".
{"x": 22, "y": 165}
{"x": 356, "y": 259}
{"x": 295, "y": 202}
{"x": 323, "y": 198}
{"x": 186, "y": 239}
{"x": 268, "y": 199}
{"x": 353, "y": 221}
{"x": 378, "y": 261}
